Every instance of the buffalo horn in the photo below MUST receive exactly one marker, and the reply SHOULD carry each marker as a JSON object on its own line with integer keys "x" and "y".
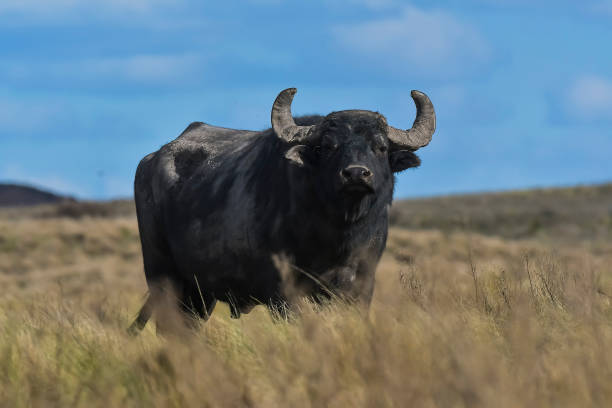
{"x": 282, "y": 119}
{"x": 422, "y": 130}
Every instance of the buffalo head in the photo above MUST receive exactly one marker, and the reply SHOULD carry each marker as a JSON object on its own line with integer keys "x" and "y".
{"x": 351, "y": 155}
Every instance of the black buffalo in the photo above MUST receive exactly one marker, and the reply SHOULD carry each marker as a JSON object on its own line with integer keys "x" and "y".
{"x": 233, "y": 215}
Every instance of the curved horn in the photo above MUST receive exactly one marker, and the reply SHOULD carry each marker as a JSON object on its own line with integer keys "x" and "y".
{"x": 282, "y": 119}
{"x": 422, "y": 130}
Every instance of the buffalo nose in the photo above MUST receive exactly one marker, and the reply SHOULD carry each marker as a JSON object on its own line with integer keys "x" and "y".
{"x": 356, "y": 174}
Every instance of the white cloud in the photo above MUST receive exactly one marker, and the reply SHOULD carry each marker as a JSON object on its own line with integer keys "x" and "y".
{"x": 55, "y": 7}
{"x": 506, "y": 2}
{"x": 266, "y": 2}
{"x": 152, "y": 13}
{"x": 22, "y": 116}
{"x": 371, "y": 4}
{"x": 141, "y": 68}
{"x": 602, "y": 7}
{"x": 135, "y": 69}
{"x": 589, "y": 98}
{"x": 431, "y": 43}
{"x": 469, "y": 106}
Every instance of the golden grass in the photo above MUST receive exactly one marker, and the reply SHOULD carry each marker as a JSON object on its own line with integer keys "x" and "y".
{"x": 458, "y": 320}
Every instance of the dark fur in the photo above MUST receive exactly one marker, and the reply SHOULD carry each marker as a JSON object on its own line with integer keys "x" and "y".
{"x": 217, "y": 206}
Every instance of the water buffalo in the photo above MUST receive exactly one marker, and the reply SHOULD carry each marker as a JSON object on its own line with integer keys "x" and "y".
{"x": 218, "y": 208}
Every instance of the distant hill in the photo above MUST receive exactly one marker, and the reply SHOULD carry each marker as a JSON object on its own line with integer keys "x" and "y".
{"x": 572, "y": 212}
{"x": 583, "y": 212}
{"x": 13, "y": 195}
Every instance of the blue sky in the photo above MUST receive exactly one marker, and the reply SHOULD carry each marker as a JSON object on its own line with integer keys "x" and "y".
{"x": 523, "y": 89}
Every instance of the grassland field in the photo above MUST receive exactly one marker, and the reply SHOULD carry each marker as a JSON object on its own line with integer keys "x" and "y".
{"x": 499, "y": 300}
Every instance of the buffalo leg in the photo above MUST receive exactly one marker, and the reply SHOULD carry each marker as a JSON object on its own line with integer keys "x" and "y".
{"x": 143, "y": 317}
{"x": 196, "y": 304}
{"x": 157, "y": 292}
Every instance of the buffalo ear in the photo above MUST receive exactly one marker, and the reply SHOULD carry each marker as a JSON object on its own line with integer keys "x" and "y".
{"x": 300, "y": 155}
{"x": 403, "y": 159}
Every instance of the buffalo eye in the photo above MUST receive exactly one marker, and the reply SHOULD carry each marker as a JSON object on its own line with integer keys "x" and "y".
{"x": 329, "y": 142}
{"x": 380, "y": 149}
{"x": 330, "y": 146}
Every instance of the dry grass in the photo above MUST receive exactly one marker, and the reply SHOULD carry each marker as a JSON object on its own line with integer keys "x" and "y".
{"x": 458, "y": 320}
